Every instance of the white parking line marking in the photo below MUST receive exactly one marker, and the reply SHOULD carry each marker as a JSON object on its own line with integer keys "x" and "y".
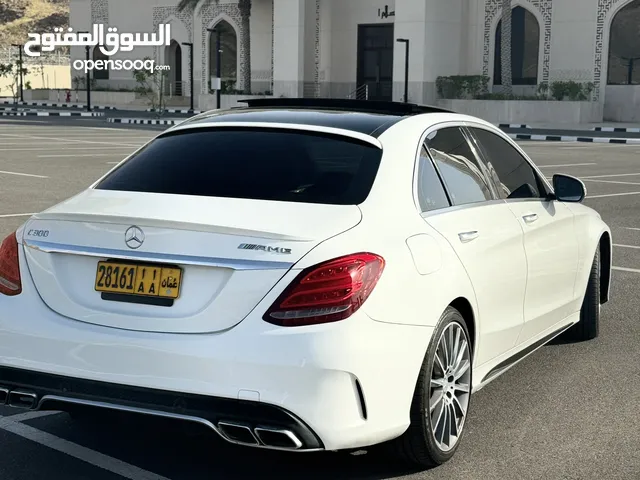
{"x": 610, "y": 181}
{"x": 612, "y": 176}
{"x": 66, "y": 155}
{"x": 61, "y": 147}
{"x": 631, "y": 228}
{"x": 566, "y": 165}
{"x": 23, "y": 417}
{"x": 64, "y": 140}
{"x": 9, "y": 215}
{"x": 23, "y": 174}
{"x": 92, "y": 457}
{"x": 626, "y": 246}
{"x": 614, "y": 195}
{"x": 623, "y": 269}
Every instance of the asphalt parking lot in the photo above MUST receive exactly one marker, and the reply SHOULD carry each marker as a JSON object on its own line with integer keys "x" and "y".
{"x": 566, "y": 412}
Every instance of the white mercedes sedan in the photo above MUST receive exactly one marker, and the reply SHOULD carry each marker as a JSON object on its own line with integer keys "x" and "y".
{"x": 302, "y": 275}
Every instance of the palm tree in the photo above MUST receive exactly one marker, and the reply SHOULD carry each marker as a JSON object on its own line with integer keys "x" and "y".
{"x": 505, "y": 50}
{"x": 245, "y": 14}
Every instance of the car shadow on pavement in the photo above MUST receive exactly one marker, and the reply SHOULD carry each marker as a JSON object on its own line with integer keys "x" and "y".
{"x": 181, "y": 451}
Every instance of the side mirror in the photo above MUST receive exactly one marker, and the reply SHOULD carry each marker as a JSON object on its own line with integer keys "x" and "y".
{"x": 568, "y": 189}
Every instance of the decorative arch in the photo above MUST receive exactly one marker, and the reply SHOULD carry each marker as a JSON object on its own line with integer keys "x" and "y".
{"x": 607, "y": 9}
{"x": 230, "y": 50}
{"x": 181, "y": 31}
{"x": 98, "y": 55}
{"x": 525, "y": 48}
{"x": 543, "y": 11}
{"x": 207, "y": 15}
{"x": 624, "y": 45}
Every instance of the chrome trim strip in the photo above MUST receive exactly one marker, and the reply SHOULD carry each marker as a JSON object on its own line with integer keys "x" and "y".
{"x": 234, "y": 264}
{"x": 157, "y": 413}
{"x": 287, "y": 433}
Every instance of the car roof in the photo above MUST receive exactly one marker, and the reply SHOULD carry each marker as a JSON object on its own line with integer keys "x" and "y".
{"x": 365, "y": 117}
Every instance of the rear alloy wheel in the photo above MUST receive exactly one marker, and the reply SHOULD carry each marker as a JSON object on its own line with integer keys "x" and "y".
{"x": 441, "y": 399}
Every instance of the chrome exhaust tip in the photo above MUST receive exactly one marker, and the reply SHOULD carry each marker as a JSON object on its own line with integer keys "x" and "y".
{"x": 4, "y": 394}
{"x": 278, "y": 438}
{"x": 21, "y": 399}
{"x": 237, "y": 433}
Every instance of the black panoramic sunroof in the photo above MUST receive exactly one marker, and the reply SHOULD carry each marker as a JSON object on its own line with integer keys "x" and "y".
{"x": 362, "y": 116}
{"x": 373, "y": 106}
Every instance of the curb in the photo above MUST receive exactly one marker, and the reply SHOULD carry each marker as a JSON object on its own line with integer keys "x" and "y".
{"x": 559, "y": 138}
{"x": 616, "y": 129}
{"x": 144, "y": 121}
{"x": 51, "y": 114}
{"x": 59, "y": 105}
{"x": 173, "y": 110}
{"x": 514, "y": 125}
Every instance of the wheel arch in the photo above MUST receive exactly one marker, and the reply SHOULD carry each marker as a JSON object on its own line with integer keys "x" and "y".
{"x": 605, "y": 246}
{"x": 466, "y": 310}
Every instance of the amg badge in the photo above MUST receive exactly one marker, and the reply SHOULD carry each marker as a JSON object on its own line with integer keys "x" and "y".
{"x": 264, "y": 248}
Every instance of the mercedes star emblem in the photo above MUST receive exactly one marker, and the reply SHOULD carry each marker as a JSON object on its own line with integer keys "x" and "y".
{"x": 134, "y": 237}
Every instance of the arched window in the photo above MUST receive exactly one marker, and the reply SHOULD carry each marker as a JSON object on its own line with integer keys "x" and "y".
{"x": 100, "y": 74}
{"x": 624, "y": 46}
{"x": 173, "y": 58}
{"x": 228, "y": 54}
{"x": 525, "y": 48}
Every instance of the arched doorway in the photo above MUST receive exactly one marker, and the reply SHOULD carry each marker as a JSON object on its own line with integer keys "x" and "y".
{"x": 228, "y": 55}
{"x": 525, "y": 48}
{"x": 173, "y": 58}
{"x": 624, "y": 46}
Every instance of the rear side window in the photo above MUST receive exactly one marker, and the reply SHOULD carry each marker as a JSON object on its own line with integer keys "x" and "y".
{"x": 458, "y": 166}
{"x": 260, "y": 164}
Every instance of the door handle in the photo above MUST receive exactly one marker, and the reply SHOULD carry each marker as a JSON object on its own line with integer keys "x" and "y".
{"x": 530, "y": 218}
{"x": 467, "y": 237}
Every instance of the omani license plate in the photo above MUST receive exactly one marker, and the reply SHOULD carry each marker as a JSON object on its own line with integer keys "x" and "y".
{"x": 138, "y": 279}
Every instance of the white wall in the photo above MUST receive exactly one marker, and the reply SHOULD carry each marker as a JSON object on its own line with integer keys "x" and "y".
{"x": 573, "y": 40}
{"x": 261, "y": 37}
{"x": 622, "y": 103}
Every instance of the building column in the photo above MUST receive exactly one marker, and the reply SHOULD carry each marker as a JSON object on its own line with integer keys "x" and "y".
{"x": 410, "y": 23}
{"x": 288, "y": 48}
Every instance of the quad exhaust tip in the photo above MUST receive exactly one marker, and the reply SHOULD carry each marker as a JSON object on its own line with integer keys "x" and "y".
{"x": 21, "y": 399}
{"x": 277, "y": 438}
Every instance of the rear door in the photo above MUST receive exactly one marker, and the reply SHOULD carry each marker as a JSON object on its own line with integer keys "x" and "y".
{"x": 549, "y": 234}
{"x": 482, "y": 230}
{"x": 191, "y": 233}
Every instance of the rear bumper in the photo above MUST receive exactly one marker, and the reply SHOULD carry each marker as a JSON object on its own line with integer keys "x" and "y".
{"x": 237, "y": 421}
{"x": 343, "y": 385}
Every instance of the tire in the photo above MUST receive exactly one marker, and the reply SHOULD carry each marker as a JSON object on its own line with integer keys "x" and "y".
{"x": 588, "y": 327}
{"x": 421, "y": 444}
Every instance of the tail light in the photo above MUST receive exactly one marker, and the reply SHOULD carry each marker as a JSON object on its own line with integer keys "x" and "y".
{"x": 10, "y": 283}
{"x": 328, "y": 292}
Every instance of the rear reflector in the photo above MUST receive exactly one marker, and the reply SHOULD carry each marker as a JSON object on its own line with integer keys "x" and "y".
{"x": 9, "y": 266}
{"x": 328, "y": 292}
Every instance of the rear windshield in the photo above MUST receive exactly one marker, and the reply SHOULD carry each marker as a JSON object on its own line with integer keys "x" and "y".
{"x": 265, "y": 164}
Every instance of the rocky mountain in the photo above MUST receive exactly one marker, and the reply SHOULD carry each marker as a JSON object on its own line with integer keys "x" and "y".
{"x": 21, "y": 17}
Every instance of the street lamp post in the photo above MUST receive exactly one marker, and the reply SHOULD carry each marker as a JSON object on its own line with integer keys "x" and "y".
{"x": 406, "y": 68}
{"x": 20, "y": 70}
{"x": 88, "y": 77}
{"x": 218, "y": 61}
{"x": 190, "y": 45}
